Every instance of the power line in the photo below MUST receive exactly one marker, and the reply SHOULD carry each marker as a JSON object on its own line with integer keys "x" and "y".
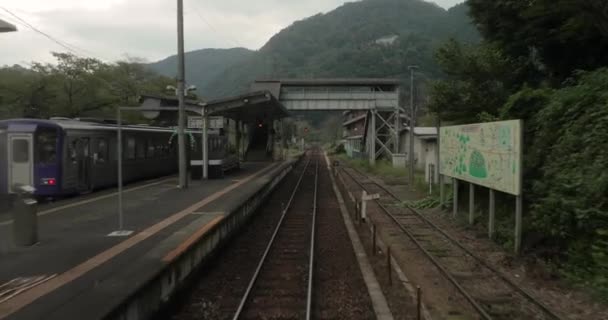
{"x": 70, "y": 47}
{"x": 25, "y": 23}
{"x": 63, "y": 44}
{"x": 238, "y": 44}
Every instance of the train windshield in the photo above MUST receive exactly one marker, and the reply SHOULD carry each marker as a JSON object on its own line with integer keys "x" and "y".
{"x": 46, "y": 146}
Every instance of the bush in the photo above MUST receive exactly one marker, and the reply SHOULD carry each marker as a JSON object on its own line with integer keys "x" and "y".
{"x": 567, "y": 170}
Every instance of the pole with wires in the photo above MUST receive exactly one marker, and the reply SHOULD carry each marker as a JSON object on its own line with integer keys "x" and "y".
{"x": 181, "y": 83}
{"x": 412, "y": 126}
{"x": 119, "y": 158}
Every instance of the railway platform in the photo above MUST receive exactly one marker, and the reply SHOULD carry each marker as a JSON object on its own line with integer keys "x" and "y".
{"x": 79, "y": 270}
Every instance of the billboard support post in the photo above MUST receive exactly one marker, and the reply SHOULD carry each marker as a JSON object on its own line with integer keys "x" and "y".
{"x": 492, "y": 218}
{"x": 455, "y": 201}
{"x": 471, "y": 204}
{"x": 518, "y": 223}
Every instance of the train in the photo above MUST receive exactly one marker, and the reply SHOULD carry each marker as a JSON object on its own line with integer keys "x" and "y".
{"x": 60, "y": 156}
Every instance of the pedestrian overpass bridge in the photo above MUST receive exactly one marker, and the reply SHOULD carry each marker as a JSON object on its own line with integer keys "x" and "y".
{"x": 372, "y": 114}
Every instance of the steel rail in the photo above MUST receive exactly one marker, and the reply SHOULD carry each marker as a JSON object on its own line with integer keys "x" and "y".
{"x": 512, "y": 284}
{"x": 254, "y": 279}
{"x": 439, "y": 266}
{"x": 312, "y": 245}
{"x": 471, "y": 300}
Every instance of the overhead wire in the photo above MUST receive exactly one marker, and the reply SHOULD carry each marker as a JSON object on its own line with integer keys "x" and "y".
{"x": 202, "y": 18}
{"x": 70, "y": 47}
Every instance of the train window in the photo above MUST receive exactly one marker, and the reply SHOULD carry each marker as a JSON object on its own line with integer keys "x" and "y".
{"x": 21, "y": 151}
{"x": 102, "y": 150}
{"x": 46, "y": 145}
{"x": 130, "y": 154}
{"x": 160, "y": 151}
{"x": 72, "y": 150}
{"x": 151, "y": 149}
{"x": 141, "y": 149}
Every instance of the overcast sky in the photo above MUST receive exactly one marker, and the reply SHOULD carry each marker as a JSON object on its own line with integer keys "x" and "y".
{"x": 112, "y": 29}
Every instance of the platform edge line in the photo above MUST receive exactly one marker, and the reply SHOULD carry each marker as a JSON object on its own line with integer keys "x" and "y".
{"x": 379, "y": 303}
{"x": 195, "y": 237}
{"x": 17, "y": 303}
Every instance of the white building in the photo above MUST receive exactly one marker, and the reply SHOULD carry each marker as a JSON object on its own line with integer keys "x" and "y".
{"x": 387, "y": 40}
{"x": 425, "y": 149}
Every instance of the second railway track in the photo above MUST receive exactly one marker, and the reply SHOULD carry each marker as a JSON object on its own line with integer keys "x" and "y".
{"x": 490, "y": 293}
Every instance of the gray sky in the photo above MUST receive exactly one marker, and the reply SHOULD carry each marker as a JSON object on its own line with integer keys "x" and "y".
{"x": 111, "y": 29}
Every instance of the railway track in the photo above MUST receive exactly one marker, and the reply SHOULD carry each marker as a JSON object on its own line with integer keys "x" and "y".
{"x": 490, "y": 293}
{"x": 282, "y": 285}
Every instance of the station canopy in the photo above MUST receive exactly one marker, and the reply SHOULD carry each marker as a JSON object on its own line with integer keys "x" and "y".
{"x": 6, "y": 27}
{"x": 248, "y": 107}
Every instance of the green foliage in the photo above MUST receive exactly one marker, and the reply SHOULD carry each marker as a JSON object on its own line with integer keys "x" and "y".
{"x": 527, "y": 69}
{"x": 74, "y": 87}
{"x": 426, "y": 203}
{"x": 560, "y": 36}
{"x": 480, "y": 80}
{"x": 571, "y": 202}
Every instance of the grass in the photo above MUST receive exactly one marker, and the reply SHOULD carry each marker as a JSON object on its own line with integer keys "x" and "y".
{"x": 385, "y": 170}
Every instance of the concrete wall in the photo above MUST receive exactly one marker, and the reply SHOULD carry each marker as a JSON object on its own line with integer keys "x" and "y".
{"x": 353, "y": 147}
{"x": 431, "y": 160}
{"x": 424, "y": 150}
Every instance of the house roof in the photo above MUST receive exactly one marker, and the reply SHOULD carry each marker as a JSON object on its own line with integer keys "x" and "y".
{"x": 423, "y": 131}
{"x": 355, "y": 120}
{"x": 334, "y": 82}
{"x": 245, "y": 107}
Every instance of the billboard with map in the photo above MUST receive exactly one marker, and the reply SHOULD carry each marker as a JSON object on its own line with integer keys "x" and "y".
{"x": 486, "y": 154}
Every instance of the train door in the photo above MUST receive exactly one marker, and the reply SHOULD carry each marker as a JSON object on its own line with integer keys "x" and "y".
{"x": 20, "y": 160}
{"x": 82, "y": 149}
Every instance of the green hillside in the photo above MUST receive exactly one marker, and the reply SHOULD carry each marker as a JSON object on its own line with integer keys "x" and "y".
{"x": 202, "y": 66}
{"x": 343, "y": 43}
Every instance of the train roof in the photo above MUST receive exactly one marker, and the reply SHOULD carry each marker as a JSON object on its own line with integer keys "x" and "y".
{"x": 73, "y": 124}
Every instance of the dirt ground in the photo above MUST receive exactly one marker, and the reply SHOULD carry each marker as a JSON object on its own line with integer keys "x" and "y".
{"x": 569, "y": 302}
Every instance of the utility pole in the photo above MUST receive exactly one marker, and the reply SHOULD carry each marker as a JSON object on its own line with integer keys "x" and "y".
{"x": 412, "y": 126}
{"x": 181, "y": 86}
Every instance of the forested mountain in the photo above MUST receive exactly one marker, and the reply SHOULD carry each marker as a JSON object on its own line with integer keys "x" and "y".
{"x": 202, "y": 65}
{"x": 346, "y": 42}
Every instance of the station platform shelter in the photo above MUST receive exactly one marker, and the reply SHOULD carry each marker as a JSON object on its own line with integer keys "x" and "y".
{"x": 241, "y": 128}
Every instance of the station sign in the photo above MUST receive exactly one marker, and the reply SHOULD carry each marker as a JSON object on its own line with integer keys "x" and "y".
{"x": 196, "y": 122}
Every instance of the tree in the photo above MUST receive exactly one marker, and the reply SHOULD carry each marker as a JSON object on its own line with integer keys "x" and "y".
{"x": 479, "y": 80}
{"x": 75, "y": 87}
{"x": 24, "y": 93}
{"x": 77, "y": 84}
{"x": 561, "y": 35}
